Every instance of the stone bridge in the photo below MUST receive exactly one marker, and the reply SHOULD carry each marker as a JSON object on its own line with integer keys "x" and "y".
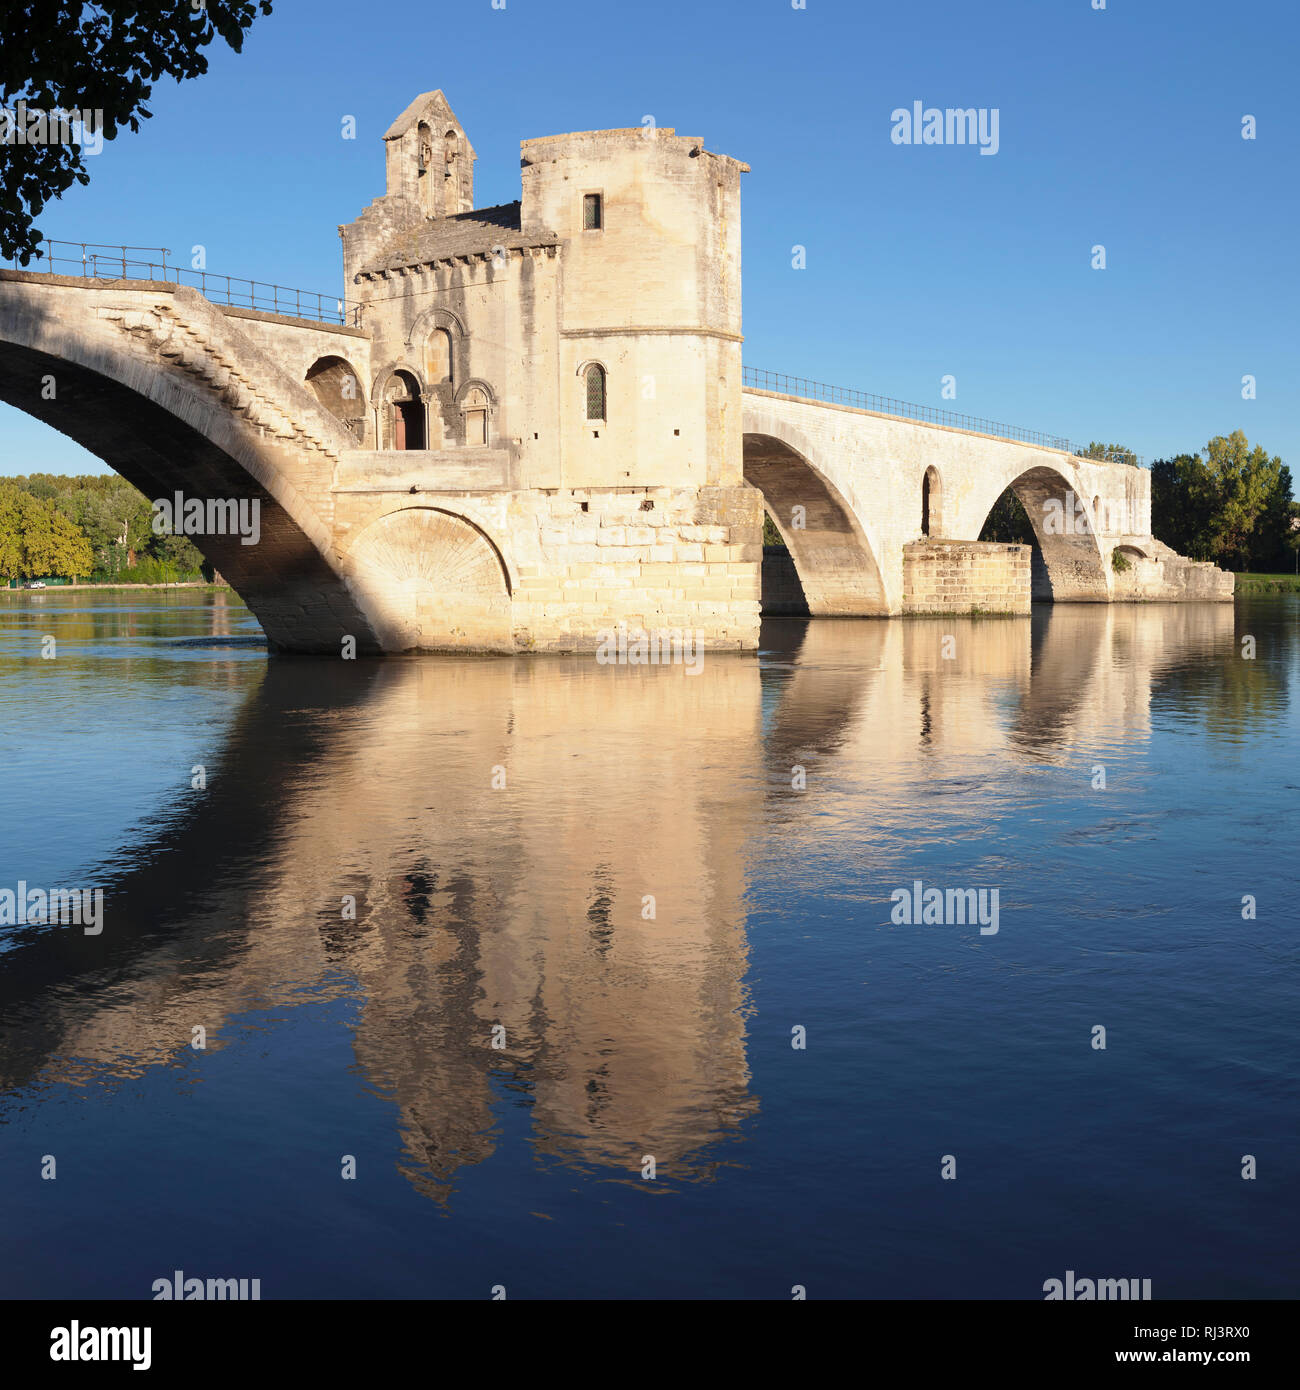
{"x": 179, "y": 394}
{"x": 892, "y": 509}
{"x": 534, "y": 427}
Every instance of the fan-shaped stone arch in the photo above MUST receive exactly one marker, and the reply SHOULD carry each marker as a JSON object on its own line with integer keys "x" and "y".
{"x": 433, "y": 581}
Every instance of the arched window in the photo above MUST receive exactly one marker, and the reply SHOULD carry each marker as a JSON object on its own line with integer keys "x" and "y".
{"x": 1096, "y": 514}
{"x": 931, "y": 494}
{"x": 595, "y": 392}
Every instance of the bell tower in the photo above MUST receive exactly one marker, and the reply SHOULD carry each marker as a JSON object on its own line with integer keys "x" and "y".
{"x": 429, "y": 159}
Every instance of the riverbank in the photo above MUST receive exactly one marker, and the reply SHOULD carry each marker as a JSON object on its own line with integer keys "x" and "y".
{"x": 1268, "y": 583}
{"x": 200, "y": 585}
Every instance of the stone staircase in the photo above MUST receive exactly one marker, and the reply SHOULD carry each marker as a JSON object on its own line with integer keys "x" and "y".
{"x": 189, "y": 333}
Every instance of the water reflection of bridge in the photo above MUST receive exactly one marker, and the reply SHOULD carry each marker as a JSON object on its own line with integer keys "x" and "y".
{"x": 524, "y": 906}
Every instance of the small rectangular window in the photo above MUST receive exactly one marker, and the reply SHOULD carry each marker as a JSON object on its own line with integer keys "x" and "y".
{"x": 591, "y": 212}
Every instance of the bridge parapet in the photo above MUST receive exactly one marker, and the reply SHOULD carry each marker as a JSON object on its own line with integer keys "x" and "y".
{"x": 803, "y": 389}
{"x": 84, "y": 260}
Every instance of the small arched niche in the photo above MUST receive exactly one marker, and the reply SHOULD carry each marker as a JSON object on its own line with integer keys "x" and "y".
{"x": 439, "y": 360}
{"x": 474, "y": 408}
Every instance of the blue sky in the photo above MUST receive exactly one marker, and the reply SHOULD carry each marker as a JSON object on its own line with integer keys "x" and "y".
{"x": 1119, "y": 127}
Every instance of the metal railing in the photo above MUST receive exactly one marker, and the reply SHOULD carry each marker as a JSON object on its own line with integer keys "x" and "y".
{"x": 92, "y": 261}
{"x": 808, "y": 390}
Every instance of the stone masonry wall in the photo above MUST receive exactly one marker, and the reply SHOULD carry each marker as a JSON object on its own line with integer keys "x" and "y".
{"x": 650, "y": 558}
{"x": 579, "y": 563}
{"x": 965, "y": 577}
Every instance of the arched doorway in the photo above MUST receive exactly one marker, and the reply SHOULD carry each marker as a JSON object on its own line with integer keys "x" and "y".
{"x": 405, "y": 412}
{"x": 475, "y": 409}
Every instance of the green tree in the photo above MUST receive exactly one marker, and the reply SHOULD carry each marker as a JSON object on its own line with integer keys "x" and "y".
{"x": 771, "y": 536}
{"x": 1233, "y": 505}
{"x": 1183, "y": 501}
{"x": 1008, "y": 522}
{"x": 37, "y": 539}
{"x": 1114, "y": 453}
{"x": 179, "y": 552}
{"x": 1252, "y": 492}
{"x": 93, "y": 55}
{"x": 11, "y": 533}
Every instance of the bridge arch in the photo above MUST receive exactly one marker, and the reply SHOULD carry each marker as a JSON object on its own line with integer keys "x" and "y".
{"x": 153, "y": 382}
{"x": 434, "y": 579}
{"x": 1072, "y": 565}
{"x": 832, "y": 554}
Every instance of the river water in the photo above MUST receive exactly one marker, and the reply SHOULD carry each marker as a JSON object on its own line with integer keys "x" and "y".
{"x": 613, "y": 921}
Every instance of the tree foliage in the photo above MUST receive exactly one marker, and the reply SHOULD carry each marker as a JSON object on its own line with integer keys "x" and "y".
{"x": 1232, "y": 506}
{"x": 771, "y": 536}
{"x": 37, "y": 539}
{"x": 94, "y": 55}
{"x": 1008, "y": 522}
{"x": 1112, "y": 453}
{"x": 112, "y": 518}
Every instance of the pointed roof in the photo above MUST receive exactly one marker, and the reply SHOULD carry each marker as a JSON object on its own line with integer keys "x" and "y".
{"x": 424, "y": 106}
